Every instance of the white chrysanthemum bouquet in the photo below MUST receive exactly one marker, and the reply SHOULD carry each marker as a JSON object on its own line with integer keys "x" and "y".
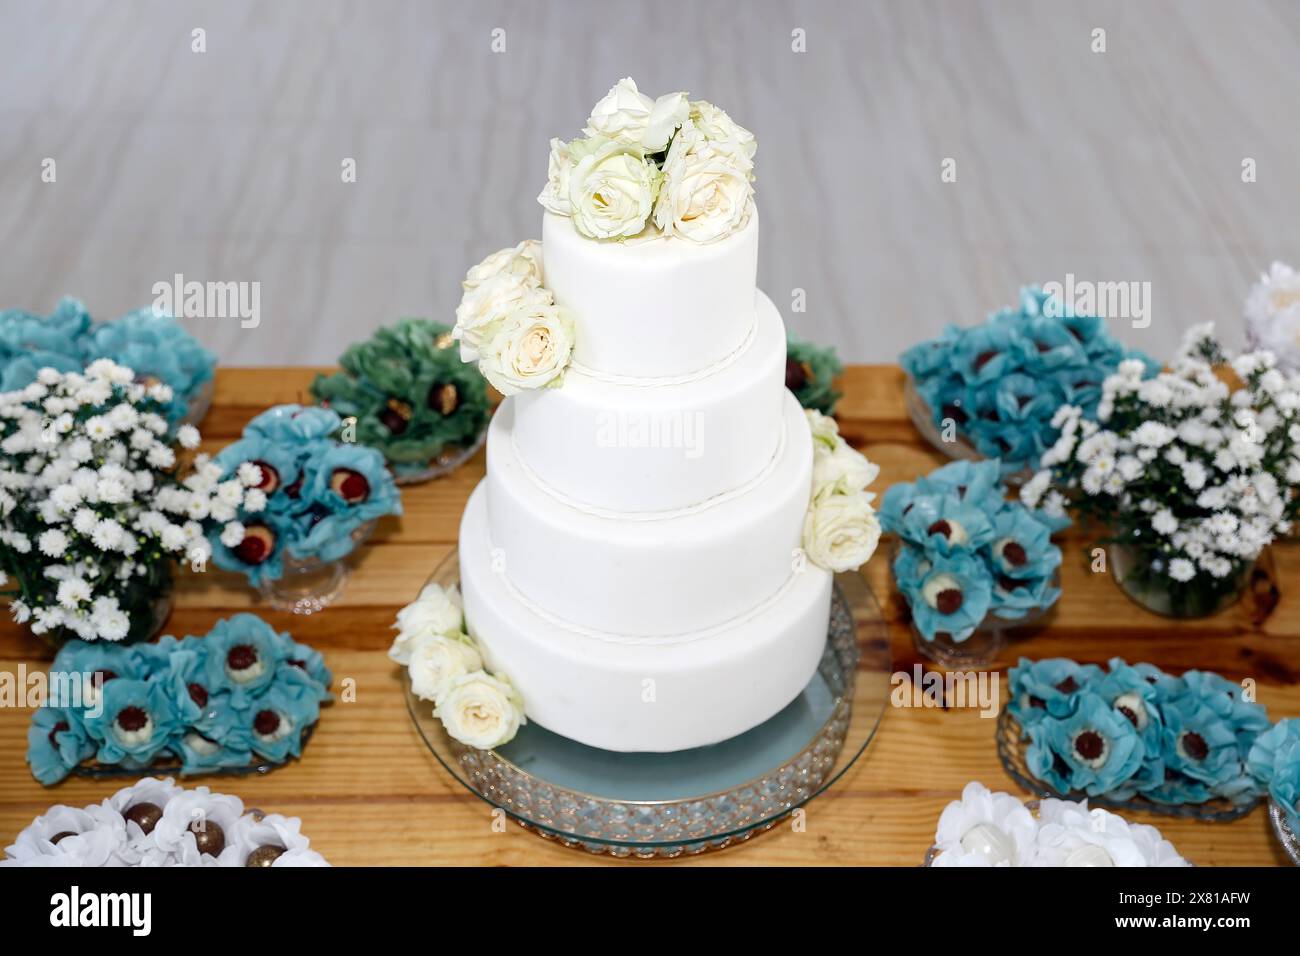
{"x": 1194, "y": 477}
{"x": 94, "y": 513}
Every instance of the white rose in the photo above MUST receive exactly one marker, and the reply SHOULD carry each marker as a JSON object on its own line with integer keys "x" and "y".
{"x": 483, "y": 307}
{"x": 840, "y": 532}
{"x": 524, "y": 260}
{"x": 825, "y": 430}
{"x": 622, "y": 114}
{"x": 706, "y": 191}
{"x": 669, "y": 113}
{"x": 555, "y": 197}
{"x": 841, "y": 470}
{"x": 439, "y": 659}
{"x": 481, "y": 710}
{"x": 530, "y": 349}
{"x": 436, "y": 611}
{"x": 715, "y": 124}
{"x": 612, "y": 191}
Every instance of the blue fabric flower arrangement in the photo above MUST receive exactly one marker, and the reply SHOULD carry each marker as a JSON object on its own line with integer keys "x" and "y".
{"x": 320, "y": 492}
{"x": 1274, "y": 761}
{"x": 1001, "y": 382}
{"x": 241, "y": 693}
{"x": 1135, "y": 731}
{"x": 156, "y": 347}
{"x": 965, "y": 551}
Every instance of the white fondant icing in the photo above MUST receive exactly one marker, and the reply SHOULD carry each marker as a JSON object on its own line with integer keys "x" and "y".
{"x": 634, "y": 448}
{"x": 682, "y": 573}
{"x": 666, "y": 307}
{"x": 594, "y": 689}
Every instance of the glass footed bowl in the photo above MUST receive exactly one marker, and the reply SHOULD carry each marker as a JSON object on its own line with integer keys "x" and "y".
{"x": 308, "y": 585}
{"x": 445, "y": 462}
{"x": 960, "y": 448}
{"x": 646, "y": 805}
{"x": 980, "y": 648}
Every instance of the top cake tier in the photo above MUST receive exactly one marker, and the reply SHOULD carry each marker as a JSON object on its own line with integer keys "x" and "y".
{"x": 659, "y": 308}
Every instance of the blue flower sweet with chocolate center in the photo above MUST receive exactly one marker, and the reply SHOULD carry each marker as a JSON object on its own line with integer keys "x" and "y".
{"x": 1093, "y": 750}
{"x": 135, "y": 724}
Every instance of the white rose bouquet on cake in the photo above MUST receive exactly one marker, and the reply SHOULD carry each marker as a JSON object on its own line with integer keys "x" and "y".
{"x": 683, "y": 165}
{"x": 509, "y": 324}
{"x": 841, "y": 530}
{"x": 477, "y": 708}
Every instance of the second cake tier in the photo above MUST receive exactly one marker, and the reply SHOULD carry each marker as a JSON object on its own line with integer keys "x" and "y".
{"x": 651, "y": 574}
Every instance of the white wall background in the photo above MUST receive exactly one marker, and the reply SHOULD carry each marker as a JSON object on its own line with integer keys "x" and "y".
{"x": 225, "y": 165}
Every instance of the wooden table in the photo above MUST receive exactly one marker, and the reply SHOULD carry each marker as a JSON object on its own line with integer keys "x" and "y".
{"x": 369, "y": 793}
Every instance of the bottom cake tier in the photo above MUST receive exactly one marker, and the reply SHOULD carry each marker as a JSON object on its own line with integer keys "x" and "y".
{"x": 643, "y": 695}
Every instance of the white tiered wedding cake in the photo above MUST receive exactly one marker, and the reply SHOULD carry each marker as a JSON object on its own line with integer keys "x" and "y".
{"x": 637, "y": 560}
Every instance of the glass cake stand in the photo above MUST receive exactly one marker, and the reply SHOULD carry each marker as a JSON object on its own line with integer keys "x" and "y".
{"x": 648, "y": 805}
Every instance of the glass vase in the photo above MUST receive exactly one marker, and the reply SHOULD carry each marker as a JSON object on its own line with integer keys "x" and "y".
{"x": 307, "y": 585}
{"x": 979, "y": 650}
{"x": 1141, "y": 578}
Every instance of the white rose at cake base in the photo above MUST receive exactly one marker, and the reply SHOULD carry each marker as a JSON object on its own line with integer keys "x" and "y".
{"x": 587, "y": 566}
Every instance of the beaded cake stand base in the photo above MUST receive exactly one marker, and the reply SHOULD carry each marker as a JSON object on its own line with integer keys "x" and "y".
{"x": 646, "y": 805}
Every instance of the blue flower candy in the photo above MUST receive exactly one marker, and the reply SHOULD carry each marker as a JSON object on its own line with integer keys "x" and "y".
{"x": 948, "y": 594}
{"x": 1094, "y": 750}
{"x": 157, "y": 349}
{"x": 135, "y": 724}
{"x": 56, "y": 742}
{"x": 295, "y": 424}
{"x": 1274, "y": 761}
{"x": 1192, "y": 734}
{"x": 320, "y": 492}
{"x": 1048, "y": 687}
{"x": 195, "y": 699}
{"x": 1002, "y": 381}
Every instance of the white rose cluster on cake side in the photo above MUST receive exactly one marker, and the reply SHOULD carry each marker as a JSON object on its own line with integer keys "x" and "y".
{"x": 649, "y": 558}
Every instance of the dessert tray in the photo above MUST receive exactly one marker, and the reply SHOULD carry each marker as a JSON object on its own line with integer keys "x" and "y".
{"x": 1011, "y": 752}
{"x": 648, "y": 805}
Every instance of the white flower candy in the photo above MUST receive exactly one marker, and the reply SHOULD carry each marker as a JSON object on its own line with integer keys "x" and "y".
{"x": 996, "y": 829}
{"x": 530, "y": 348}
{"x": 481, "y": 710}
